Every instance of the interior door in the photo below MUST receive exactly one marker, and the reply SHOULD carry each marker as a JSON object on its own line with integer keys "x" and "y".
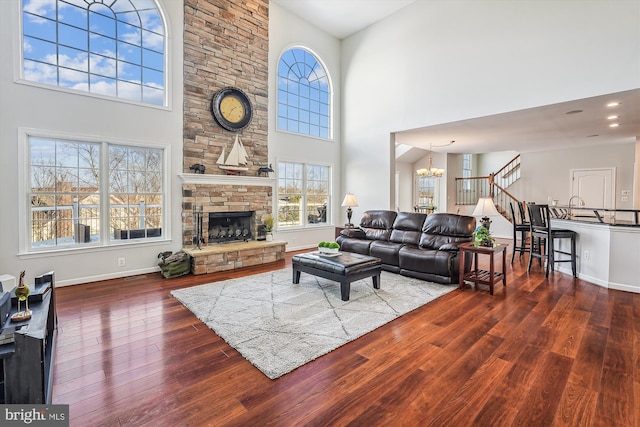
{"x": 595, "y": 186}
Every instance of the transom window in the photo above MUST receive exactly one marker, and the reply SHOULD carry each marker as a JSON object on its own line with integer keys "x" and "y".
{"x": 303, "y": 94}
{"x": 114, "y": 48}
{"x": 73, "y": 183}
{"x": 303, "y": 194}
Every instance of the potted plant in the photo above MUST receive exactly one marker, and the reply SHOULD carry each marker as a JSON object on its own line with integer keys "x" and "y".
{"x": 268, "y": 225}
{"x": 482, "y": 237}
{"x": 328, "y": 247}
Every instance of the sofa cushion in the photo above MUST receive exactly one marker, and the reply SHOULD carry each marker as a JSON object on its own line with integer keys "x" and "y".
{"x": 436, "y": 262}
{"x": 442, "y": 229}
{"x": 377, "y": 224}
{"x": 386, "y": 251}
{"x": 407, "y": 228}
{"x": 359, "y": 246}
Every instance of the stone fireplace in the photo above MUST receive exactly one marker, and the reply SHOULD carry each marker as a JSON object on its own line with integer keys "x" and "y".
{"x": 224, "y": 200}
{"x": 226, "y": 43}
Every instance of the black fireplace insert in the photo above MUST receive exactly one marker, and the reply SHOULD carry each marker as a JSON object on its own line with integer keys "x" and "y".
{"x": 227, "y": 227}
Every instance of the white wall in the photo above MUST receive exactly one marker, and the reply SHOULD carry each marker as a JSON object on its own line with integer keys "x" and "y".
{"x": 487, "y": 163}
{"x": 27, "y": 106}
{"x": 546, "y": 174}
{"x": 439, "y": 62}
{"x": 287, "y": 31}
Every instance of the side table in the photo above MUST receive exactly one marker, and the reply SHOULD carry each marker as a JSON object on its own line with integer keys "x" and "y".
{"x": 484, "y": 277}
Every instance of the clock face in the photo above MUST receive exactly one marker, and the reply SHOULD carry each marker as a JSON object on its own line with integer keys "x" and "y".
{"x": 231, "y": 108}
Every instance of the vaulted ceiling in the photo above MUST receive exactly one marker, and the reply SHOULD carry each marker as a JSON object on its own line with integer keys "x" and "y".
{"x": 581, "y": 122}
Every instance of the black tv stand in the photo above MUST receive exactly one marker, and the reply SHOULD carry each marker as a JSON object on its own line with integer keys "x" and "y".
{"x": 27, "y": 363}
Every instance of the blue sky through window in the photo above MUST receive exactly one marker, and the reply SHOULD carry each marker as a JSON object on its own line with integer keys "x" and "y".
{"x": 115, "y": 49}
{"x": 303, "y": 94}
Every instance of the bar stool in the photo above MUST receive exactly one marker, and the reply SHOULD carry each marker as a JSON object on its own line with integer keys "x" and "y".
{"x": 542, "y": 235}
{"x": 520, "y": 225}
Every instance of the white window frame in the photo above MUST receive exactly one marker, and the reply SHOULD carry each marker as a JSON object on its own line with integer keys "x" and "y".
{"x": 467, "y": 172}
{"x": 19, "y": 65}
{"x": 329, "y": 100}
{"x": 304, "y": 213}
{"x": 106, "y": 240}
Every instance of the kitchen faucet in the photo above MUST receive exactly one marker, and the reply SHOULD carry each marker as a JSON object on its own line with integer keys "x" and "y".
{"x": 580, "y": 203}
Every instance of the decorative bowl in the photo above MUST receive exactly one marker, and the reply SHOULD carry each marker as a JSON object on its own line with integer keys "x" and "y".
{"x": 328, "y": 250}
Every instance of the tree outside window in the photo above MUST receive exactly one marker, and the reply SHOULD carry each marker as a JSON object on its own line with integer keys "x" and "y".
{"x": 68, "y": 194}
{"x": 303, "y": 194}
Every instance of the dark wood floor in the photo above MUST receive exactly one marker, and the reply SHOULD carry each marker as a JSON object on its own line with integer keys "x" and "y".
{"x": 538, "y": 353}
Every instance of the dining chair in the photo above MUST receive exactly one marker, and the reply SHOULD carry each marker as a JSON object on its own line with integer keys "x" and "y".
{"x": 543, "y": 237}
{"x": 520, "y": 226}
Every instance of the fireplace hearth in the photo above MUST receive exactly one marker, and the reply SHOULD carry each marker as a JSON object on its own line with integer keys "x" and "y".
{"x": 226, "y": 227}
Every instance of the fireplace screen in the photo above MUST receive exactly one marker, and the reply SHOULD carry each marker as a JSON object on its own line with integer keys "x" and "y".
{"x": 230, "y": 227}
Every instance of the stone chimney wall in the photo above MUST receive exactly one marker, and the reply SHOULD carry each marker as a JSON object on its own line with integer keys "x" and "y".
{"x": 226, "y": 43}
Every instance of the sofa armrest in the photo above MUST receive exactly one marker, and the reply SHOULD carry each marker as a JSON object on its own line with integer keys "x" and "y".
{"x": 355, "y": 233}
{"x": 449, "y": 247}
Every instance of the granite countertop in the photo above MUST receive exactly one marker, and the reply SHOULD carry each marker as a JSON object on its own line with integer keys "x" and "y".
{"x": 631, "y": 217}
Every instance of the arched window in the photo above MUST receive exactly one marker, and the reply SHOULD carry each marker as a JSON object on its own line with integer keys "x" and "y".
{"x": 114, "y": 48}
{"x": 303, "y": 94}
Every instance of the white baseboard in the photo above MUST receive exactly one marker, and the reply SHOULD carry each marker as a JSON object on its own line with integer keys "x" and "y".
{"x": 96, "y": 278}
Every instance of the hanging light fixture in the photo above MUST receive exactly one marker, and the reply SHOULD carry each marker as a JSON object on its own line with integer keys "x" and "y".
{"x": 431, "y": 171}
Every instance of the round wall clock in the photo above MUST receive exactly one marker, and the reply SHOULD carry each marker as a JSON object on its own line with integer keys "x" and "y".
{"x": 231, "y": 108}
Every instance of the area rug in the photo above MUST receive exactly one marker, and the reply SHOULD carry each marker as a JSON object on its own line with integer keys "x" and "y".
{"x": 278, "y": 326}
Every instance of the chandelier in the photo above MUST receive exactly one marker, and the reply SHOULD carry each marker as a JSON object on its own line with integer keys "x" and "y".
{"x": 431, "y": 171}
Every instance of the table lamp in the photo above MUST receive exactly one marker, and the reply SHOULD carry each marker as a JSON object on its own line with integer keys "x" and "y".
{"x": 349, "y": 201}
{"x": 484, "y": 208}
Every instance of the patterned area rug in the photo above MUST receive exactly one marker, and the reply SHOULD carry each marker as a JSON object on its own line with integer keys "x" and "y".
{"x": 279, "y": 326}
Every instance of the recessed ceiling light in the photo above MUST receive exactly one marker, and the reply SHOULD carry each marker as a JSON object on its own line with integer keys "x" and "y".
{"x": 574, "y": 111}
{"x": 614, "y": 125}
{"x": 613, "y": 104}
{"x": 612, "y": 117}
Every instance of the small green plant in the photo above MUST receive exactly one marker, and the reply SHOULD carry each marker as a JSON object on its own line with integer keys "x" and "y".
{"x": 329, "y": 245}
{"x": 268, "y": 223}
{"x": 482, "y": 237}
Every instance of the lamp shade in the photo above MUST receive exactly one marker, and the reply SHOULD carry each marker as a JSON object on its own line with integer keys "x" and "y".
{"x": 350, "y": 201}
{"x": 485, "y": 207}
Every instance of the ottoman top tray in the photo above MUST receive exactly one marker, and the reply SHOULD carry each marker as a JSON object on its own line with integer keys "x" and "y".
{"x": 340, "y": 264}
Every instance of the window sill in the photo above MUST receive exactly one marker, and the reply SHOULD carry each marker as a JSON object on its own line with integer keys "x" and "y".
{"x": 97, "y": 248}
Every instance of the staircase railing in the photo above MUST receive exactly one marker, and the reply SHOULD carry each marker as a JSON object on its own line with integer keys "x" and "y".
{"x": 509, "y": 173}
{"x": 469, "y": 190}
{"x": 501, "y": 198}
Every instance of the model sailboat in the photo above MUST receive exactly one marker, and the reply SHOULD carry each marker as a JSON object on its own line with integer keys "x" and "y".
{"x": 237, "y": 157}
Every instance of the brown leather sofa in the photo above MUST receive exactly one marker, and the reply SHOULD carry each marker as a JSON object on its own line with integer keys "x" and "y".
{"x": 412, "y": 244}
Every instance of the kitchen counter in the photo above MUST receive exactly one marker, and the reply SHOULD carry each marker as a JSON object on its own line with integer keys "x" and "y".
{"x": 607, "y": 251}
{"x": 614, "y": 217}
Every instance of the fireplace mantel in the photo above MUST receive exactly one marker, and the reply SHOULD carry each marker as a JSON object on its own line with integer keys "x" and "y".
{"x": 205, "y": 178}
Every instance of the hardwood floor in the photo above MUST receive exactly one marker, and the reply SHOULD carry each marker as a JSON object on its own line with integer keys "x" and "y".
{"x": 538, "y": 353}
